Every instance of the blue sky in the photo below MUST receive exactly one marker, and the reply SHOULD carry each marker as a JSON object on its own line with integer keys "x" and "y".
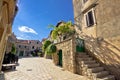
{"x": 34, "y": 16}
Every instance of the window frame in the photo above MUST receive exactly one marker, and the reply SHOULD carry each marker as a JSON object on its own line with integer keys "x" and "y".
{"x": 93, "y": 16}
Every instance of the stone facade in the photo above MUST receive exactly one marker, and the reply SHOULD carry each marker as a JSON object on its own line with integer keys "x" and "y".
{"x": 24, "y": 47}
{"x": 11, "y": 40}
{"x": 68, "y": 54}
{"x": 101, "y": 36}
{"x": 8, "y": 11}
{"x": 105, "y": 15}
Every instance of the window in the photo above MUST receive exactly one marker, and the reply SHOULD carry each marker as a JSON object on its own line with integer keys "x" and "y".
{"x": 30, "y": 42}
{"x": 25, "y": 46}
{"x": 89, "y": 19}
{"x": 84, "y": 1}
{"x": 19, "y": 46}
{"x": 37, "y": 42}
{"x": 33, "y": 47}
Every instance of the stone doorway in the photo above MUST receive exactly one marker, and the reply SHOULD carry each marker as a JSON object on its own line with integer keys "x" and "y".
{"x": 60, "y": 57}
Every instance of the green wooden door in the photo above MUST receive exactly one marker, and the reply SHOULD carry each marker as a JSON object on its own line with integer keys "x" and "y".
{"x": 60, "y": 57}
{"x": 80, "y": 47}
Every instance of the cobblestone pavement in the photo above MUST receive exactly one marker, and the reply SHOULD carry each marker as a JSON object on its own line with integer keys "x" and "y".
{"x": 40, "y": 69}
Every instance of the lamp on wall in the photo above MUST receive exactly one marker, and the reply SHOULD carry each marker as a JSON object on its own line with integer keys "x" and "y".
{"x": 100, "y": 39}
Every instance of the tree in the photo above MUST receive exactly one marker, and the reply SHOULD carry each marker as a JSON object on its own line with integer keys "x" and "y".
{"x": 13, "y": 50}
{"x": 51, "y": 49}
{"x": 45, "y": 45}
{"x": 62, "y": 30}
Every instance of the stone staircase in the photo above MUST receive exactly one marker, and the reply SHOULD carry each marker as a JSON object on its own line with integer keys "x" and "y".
{"x": 87, "y": 66}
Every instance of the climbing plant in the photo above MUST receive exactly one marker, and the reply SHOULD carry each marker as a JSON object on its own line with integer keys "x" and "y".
{"x": 45, "y": 45}
{"x": 51, "y": 49}
{"x": 61, "y": 30}
{"x": 13, "y": 49}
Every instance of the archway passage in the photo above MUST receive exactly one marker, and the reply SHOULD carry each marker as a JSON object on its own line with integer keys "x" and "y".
{"x": 60, "y": 57}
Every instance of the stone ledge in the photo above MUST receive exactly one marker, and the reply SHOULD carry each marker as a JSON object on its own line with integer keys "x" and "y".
{"x": 89, "y": 4}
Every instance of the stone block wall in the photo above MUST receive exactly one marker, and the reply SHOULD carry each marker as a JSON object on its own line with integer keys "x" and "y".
{"x": 105, "y": 53}
{"x": 68, "y": 54}
{"x": 7, "y": 14}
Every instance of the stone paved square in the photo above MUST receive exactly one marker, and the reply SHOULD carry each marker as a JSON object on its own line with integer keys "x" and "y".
{"x": 36, "y": 68}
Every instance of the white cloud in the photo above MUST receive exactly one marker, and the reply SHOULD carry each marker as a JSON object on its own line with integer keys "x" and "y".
{"x": 23, "y": 36}
{"x": 27, "y": 29}
{"x": 20, "y": 38}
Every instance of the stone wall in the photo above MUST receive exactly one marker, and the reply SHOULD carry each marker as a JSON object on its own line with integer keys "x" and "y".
{"x": 107, "y": 21}
{"x": 106, "y": 14}
{"x": 7, "y": 14}
{"x": 107, "y": 54}
{"x": 68, "y": 54}
{"x": 79, "y": 17}
{"x": 108, "y": 18}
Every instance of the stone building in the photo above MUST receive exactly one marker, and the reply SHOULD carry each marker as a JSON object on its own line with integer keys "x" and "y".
{"x": 8, "y": 10}
{"x": 11, "y": 40}
{"x": 24, "y": 47}
{"x": 97, "y": 23}
{"x": 43, "y": 40}
{"x": 65, "y": 55}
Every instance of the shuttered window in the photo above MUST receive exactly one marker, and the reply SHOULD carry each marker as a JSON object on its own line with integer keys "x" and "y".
{"x": 89, "y": 19}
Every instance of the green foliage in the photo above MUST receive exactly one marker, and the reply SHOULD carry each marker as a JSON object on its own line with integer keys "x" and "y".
{"x": 51, "y": 49}
{"x": 13, "y": 50}
{"x": 54, "y": 34}
{"x": 51, "y": 26}
{"x": 45, "y": 45}
{"x": 61, "y": 30}
{"x": 40, "y": 54}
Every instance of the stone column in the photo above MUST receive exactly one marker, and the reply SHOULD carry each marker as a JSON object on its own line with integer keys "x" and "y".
{"x": 24, "y": 53}
{"x": 74, "y": 53}
{"x": 2, "y": 76}
{"x": 3, "y": 43}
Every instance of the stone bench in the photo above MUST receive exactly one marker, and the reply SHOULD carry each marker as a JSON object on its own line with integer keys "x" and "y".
{"x": 9, "y": 66}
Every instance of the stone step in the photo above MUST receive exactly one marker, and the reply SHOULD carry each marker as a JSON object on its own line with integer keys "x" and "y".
{"x": 94, "y": 70}
{"x": 85, "y": 59}
{"x": 92, "y": 66}
{"x": 83, "y": 56}
{"x": 100, "y": 74}
{"x": 81, "y": 53}
{"x": 109, "y": 77}
{"x": 88, "y": 62}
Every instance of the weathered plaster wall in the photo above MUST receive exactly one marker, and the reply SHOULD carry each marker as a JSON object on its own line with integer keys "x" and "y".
{"x": 7, "y": 12}
{"x": 108, "y": 18}
{"x": 79, "y": 17}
